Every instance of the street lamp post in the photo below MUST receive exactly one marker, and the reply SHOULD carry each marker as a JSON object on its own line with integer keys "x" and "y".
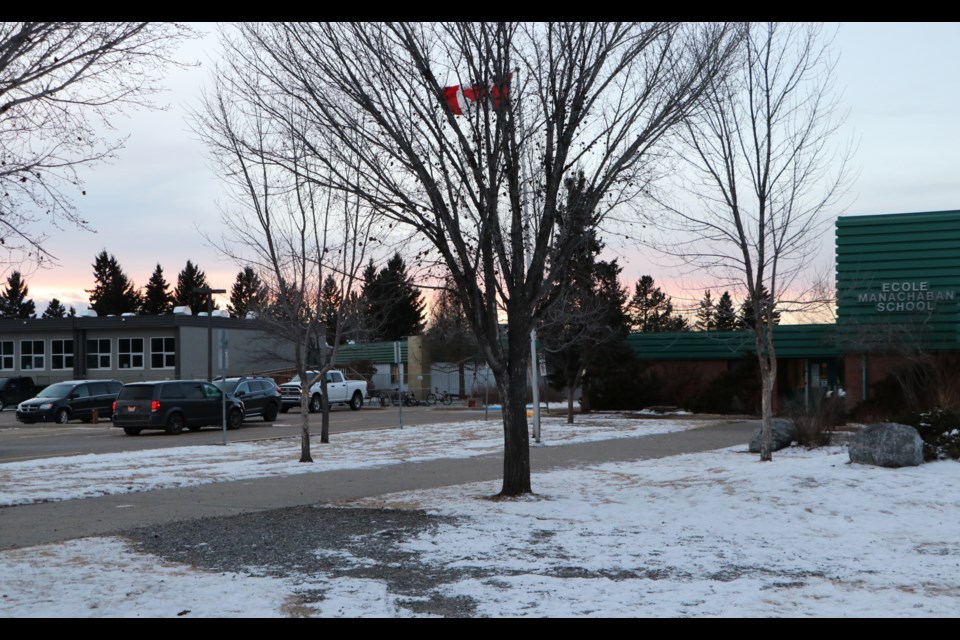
{"x": 207, "y": 291}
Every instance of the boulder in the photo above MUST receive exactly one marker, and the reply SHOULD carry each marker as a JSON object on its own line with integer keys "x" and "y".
{"x": 784, "y": 434}
{"x": 887, "y": 444}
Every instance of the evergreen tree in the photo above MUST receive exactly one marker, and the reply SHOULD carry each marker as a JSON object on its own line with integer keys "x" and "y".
{"x": 113, "y": 292}
{"x": 394, "y": 306}
{"x": 706, "y": 314}
{"x": 651, "y": 310}
{"x": 725, "y": 318}
{"x": 189, "y": 279}
{"x": 746, "y": 319}
{"x": 587, "y": 322}
{"x": 330, "y": 303}
{"x": 13, "y": 300}
{"x": 55, "y": 310}
{"x": 72, "y": 313}
{"x": 248, "y": 293}
{"x": 157, "y": 298}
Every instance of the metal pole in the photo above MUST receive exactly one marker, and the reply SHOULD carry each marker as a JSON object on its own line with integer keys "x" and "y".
{"x": 223, "y": 381}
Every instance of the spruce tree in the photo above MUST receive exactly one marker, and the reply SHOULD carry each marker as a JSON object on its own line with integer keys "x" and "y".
{"x": 651, "y": 310}
{"x": 157, "y": 298}
{"x": 330, "y": 303}
{"x": 394, "y": 308}
{"x": 746, "y": 319}
{"x": 113, "y": 292}
{"x": 706, "y": 314}
{"x": 247, "y": 294}
{"x": 55, "y": 310}
{"x": 725, "y": 318}
{"x": 188, "y": 280}
{"x": 13, "y": 300}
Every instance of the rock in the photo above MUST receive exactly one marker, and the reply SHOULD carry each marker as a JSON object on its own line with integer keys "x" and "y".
{"x": 887, "y": 444}
{"x": 784, "y": 434}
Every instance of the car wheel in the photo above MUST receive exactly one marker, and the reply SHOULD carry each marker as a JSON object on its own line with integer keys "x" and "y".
{"x": 315, "y": 404}
{"x": 234, "y": 419}
{"x": 270, "y": 413}
{"x": 131, "y": 431}
{"x": 284, "y": 409}
{"x": 62, "y": 417}
{"x": 356, "y": 401}
{"x": 195, "y": 427}
{"x": 174, "y": 424}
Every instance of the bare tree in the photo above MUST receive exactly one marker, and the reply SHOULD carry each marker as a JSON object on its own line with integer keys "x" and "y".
{"x": 463, "y": 133}
{"x": 60, "y": 85}
{"x": 764, "y": 174}
{"x": 293, "y": 232}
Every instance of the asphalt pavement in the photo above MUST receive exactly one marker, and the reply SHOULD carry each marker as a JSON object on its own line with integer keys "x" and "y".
{"x": 34, "y": 524}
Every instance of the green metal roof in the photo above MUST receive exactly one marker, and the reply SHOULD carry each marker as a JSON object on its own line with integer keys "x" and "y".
{"x": 792, "y": 341}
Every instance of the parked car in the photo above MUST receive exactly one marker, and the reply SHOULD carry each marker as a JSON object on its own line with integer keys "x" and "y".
{"x": 74, "y": 399}
{"x": 260, "y": 395}
{"x": 339, "y": 391}
{"x": 171, "y": 405}
{"x": 13, "y": 391}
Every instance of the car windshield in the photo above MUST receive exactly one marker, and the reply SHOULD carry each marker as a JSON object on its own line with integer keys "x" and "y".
{"x": 59, "y": 390}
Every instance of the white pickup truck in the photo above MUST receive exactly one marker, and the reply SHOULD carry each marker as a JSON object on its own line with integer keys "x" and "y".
{"x": 339, "y": 390}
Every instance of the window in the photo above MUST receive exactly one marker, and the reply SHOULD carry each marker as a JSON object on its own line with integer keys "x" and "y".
{"x": 98, "y": 354}
{"x": 32, "y": 354}
{"x": 130, "y": 353}
{"x": 162, "y": 353}
{"x": 6, "y": 354}
{"x": 61, "y": 354}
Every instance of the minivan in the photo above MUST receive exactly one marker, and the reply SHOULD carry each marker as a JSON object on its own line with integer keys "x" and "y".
{"x": 62, "y": 402}
{"x": 171, "y": 405}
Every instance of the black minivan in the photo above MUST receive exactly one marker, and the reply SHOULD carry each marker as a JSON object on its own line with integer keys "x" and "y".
{"x": 172, "y": 405}
{"x": 74, "y": 399}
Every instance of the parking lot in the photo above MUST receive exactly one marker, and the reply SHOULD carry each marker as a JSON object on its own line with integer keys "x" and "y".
{"x": 23, "y": 442}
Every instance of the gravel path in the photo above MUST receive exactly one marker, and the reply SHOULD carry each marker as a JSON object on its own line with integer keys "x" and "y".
{"x": 315, "y": 541}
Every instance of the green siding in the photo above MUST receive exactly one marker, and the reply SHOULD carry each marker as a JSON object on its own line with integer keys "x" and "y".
{"x": 376, "y": 352}
{"x": 898, "y": 281}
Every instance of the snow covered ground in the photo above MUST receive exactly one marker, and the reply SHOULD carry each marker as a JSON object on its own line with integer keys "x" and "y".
{"x": 714, "y": 534}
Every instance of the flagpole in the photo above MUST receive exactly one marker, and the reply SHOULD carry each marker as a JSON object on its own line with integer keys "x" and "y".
{"x": 525, "y": 212}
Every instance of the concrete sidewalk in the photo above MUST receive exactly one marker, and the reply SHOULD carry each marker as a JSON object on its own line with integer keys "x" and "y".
{"x": 28, "y": 525}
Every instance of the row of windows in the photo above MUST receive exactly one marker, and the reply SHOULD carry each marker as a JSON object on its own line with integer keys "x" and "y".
{"x": 130, "y": 354}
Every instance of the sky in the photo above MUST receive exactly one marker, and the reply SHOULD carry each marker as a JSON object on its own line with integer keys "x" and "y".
{"x": 900, "y": 87}
{"x": 707, "y": 535}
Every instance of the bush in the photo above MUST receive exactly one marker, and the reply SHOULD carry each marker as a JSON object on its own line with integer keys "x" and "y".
{"x": 940, "y": 431}
{"x": 814, "y": 426}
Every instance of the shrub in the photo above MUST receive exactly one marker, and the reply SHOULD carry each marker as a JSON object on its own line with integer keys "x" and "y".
{"x": 815, "y": 425}
{"x": 940, "y": 431}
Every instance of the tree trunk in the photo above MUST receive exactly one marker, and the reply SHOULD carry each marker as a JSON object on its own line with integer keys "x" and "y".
{"x": 325, "y": 411}
{"x": 516, "y": 437}
{"x": 570, "y": 391}
{"x": 304, "y": 420}
{"x": 768, "y": 371}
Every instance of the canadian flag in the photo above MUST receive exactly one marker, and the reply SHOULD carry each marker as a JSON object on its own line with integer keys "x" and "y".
{"x": 462, "y": 98}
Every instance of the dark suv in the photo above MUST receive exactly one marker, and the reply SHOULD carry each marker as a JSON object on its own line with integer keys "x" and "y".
{"x": 172, "y": 405}
{"x": 64, "y": 401}
{"x": 260, "y": 396}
